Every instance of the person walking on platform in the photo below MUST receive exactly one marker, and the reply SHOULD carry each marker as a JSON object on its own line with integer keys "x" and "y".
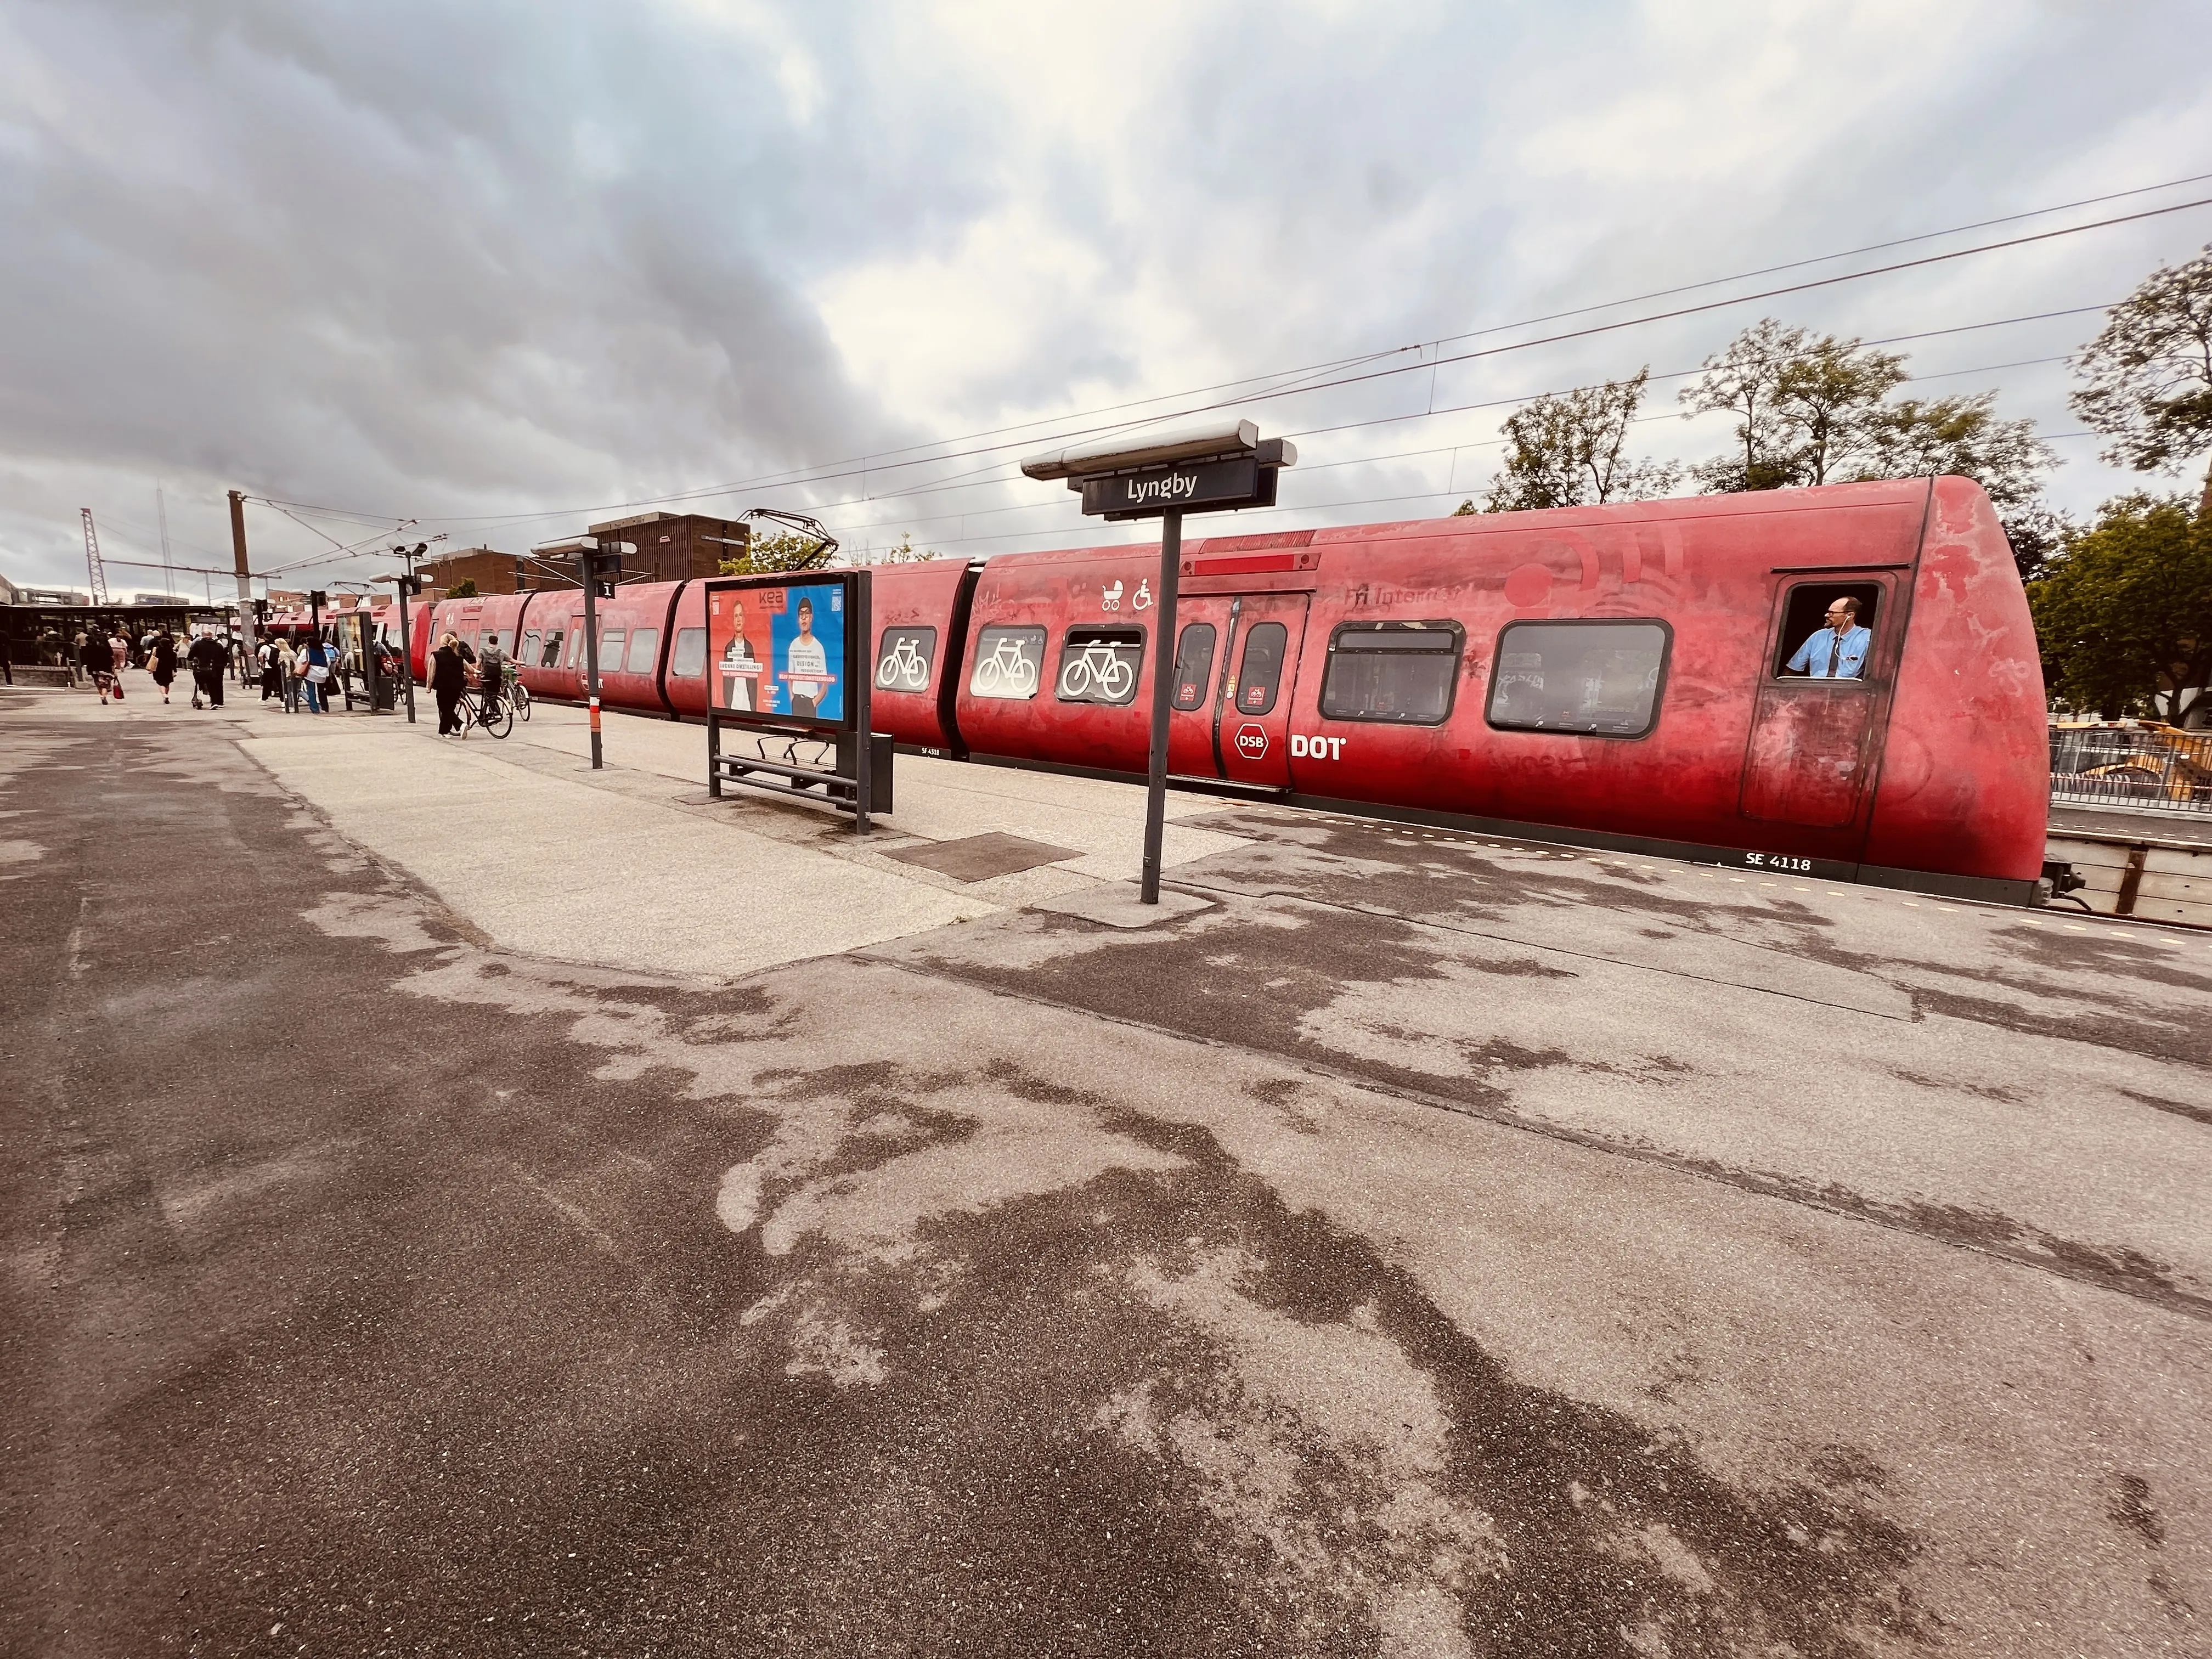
{"x": 287, "y": 673}
{"x": 315, "y": 675}
{"x": 119, "y": 645}
{"x": 449, "y": 678}
{"x": 98, "y": 658}
{"x": 266, "y": 661}
{"x": 207, "y": 659}
{"x": 161, "y": 663}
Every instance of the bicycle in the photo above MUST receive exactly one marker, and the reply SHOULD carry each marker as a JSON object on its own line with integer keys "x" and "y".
{"x": 903, "y": 669}
{"x": 1006, "y": 672}
{"x": 496, "y": 717}
{"x": 519, "y": 695}
{"x": 1099, "y": 665}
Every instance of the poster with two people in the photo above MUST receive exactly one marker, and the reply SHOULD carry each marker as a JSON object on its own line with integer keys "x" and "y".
{"x": 778, "y": 649}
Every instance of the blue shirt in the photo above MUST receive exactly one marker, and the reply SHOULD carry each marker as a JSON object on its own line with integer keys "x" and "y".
{"x": 1831, "y": 656}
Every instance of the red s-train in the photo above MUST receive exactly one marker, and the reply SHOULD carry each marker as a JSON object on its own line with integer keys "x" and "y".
{"x": 1612, "y": 677}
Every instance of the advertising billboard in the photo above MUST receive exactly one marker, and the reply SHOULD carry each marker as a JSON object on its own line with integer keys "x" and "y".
{"x": 778, "y": 648}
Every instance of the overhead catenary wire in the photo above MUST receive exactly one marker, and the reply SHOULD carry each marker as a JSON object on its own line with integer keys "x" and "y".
{"x": 1308, "y": 385}
{"x": 861, "y": 466}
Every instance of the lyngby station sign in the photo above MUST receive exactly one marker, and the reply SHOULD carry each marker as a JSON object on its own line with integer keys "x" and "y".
{"x": 1241, "y": 481}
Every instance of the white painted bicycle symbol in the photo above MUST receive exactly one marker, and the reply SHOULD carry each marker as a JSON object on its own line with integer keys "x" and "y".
{"x": 1007, "y": 671}
{"x": 903, "y": 668}
{"x": 1099, "y": 665}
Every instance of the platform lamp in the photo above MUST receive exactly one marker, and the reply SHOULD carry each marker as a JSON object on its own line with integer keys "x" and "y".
{"x": 405, "y": 586}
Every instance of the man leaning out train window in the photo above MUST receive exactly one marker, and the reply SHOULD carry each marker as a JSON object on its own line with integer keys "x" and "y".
{"x": 1838, "y": 650}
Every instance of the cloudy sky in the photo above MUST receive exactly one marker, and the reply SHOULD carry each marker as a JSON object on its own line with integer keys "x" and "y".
{"x": 499, "y": 268}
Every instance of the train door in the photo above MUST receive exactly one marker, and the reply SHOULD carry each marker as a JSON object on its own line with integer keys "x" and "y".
{"x": 1823, "y": 695}
{"x": 1229, "y": 705}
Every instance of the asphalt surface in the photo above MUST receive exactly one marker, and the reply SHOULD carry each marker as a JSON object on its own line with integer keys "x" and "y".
{"x": 1422, "y": 1246}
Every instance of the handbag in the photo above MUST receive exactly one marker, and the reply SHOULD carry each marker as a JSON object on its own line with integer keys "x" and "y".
{"x": 318, "y": 673}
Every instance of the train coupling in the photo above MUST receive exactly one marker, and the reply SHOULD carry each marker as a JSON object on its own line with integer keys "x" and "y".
{"x": 2058, "y": 880}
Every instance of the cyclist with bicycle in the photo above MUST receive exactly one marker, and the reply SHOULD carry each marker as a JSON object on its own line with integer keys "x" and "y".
{"x": 491, "y": 677}
{"x": 449, "y": 679}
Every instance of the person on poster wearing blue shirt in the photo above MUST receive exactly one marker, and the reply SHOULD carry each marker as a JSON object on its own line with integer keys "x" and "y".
{"x": 804, "y": 656}
{"x": 1837, "y": 652}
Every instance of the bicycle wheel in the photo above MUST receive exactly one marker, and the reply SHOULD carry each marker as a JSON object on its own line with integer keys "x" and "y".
{"x": 498, "y": 719}
{"x": 521, "y": 700}
{"x": 1114, "y": 681}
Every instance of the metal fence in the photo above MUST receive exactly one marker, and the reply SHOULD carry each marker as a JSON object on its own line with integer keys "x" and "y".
{"x": 2128, "y": 766}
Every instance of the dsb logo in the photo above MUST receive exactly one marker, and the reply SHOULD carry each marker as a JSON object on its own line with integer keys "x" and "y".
{"x": 1251, "y": 742}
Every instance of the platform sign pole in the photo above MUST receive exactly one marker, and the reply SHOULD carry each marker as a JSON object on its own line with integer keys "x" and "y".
{"x": 407, "y": 592}
{"x": 860, "y": 685}
{"x": 590, "y": 562}
{"x": 1156, "y": 773}
{"x": 1217, "y": 466}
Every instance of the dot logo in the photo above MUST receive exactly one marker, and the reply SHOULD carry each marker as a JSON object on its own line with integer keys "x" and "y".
{"x": 1251, "y": 742}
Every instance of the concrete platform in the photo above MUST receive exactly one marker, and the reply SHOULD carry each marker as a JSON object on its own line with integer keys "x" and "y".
{"x": 732, "y": 1238}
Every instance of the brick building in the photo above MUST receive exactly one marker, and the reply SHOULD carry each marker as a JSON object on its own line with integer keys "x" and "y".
{"x": 492, "y": 572}
{"x": 675, "y": 547}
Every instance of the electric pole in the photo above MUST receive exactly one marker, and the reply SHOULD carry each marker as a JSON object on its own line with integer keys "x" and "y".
{"x": 92, "y": 563}
{"x": 244, "y": 574}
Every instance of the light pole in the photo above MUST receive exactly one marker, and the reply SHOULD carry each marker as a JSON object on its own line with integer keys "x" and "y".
{"x": 598, "y": 567}
{"x": 406, "y": 586}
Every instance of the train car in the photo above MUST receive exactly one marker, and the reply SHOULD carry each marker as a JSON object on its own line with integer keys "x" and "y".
{"x": 1629, "y": 676}
{"x": 1621, "y": 676}
{"x": 918, "y": 618}
{"x": 635, "y": 633}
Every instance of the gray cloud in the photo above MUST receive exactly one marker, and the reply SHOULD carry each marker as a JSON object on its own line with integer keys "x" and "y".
{"x": 496, "y": 259}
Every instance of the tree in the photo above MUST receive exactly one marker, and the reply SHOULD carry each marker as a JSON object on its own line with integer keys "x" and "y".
{"x": 1807, "y": 408}
{"x": 2124, "y": 616}
{"x": 1566, "y": 450}
{"x": 464, "y": 589}
{"x": 1963, "y": 436}
{"x": 784, "y": 550}
{"x": 1746, "y": 377}
{"x": 1828, "y": 397}
{"x": 1814, "y": 411}
{"x": 2146, "y": 379}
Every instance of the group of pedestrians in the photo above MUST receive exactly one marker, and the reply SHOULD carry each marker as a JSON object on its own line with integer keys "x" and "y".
{"x": 299, "y": 675}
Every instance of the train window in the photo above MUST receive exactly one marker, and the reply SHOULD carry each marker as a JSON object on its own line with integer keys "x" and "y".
{"x": 1599, "y": 678}
{"x": 1007, "y": 660}
{"x": 528, "y": 655}
{"x": 1260, "y": 672}
{"x": 686, "y": 658}
{"x": 1100, "y": 664}
{"x": 1809, "y": 644}
{"x": 610, "y": 650}
{"x": 575, "y": 641}
{"x": 1193, "y": 667}
{"x": 908, "y": 656}
{"x": 550, "y": 658}
{"x": 644, "y": 651}
{"x": 1401, "y": 672}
